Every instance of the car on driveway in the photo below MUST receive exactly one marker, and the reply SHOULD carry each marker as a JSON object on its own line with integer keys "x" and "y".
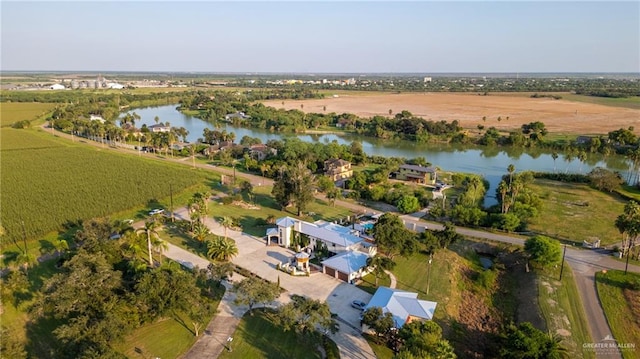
{"x": 358, "y": 304}
{"x": 156, "y": 211}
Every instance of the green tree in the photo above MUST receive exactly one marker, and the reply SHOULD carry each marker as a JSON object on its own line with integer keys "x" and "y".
{"x": 200, "y": 232}
{"x": 543, "y": 250}
{"x": 325, "y": 184}
{"x": 253, "y": 290}
{"x": 605, "y": 180}
{"x": 84, "y": 300}
{"x": 380, "y": 265}
{"x": 226, "y": 222}
{"x": 424, "y": 339}
{"x": 526, "y": 342}
{"x": 392, "y": 237}
{"x": 221, "y": 249}
{"x": 150, "y": 229}
{"x": 628, "y": 223}
{"x": 306, "y": 317}
{"x": 294, "y": 184}
{"x": 408, "y": 204}
{"x": 380, "y": 322}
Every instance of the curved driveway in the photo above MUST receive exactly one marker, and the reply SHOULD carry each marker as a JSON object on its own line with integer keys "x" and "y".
{"x": 585, "y": 263}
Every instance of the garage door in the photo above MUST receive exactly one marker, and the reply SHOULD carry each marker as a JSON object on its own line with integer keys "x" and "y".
{"x": 343, "y": 276}
{"x": 330, "y": 271}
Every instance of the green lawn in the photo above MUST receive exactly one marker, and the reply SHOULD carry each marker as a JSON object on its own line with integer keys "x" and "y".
{"x": 576, "y": 212}
{"x": 562, "y": 309}
{"x": 620, "y": 298}
{"x": 166, "y": 338}
{"x": 382, "y": 351}
{"x": 268, "y": 206}
{"x": 11, "y": 112}
{"x": 368, "y": 283}
{"x": 258, "y": 337}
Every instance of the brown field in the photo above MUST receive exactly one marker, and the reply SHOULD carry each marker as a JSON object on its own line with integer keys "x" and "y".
{"x": 559, "y": 116}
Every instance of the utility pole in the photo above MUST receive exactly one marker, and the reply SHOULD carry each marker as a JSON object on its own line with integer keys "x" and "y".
{"x": 171, "y": 201}
{"x": 562, "y": 265}
{"x": 429, "y": 272}
{"x": 626, "y": 266}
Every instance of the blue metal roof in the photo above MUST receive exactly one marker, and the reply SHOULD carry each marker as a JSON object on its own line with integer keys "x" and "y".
{"x": 401, "y": 305}
{"x": 347, "y": 262}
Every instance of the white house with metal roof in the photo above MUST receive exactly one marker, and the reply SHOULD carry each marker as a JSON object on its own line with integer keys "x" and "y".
{"x": 351, "y": 251}
{"x": 404, "y": 306}
{"x": 337, "y": 238}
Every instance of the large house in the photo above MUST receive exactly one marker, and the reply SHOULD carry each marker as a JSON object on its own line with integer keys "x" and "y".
{"x": 337, "y": 169}
{"x": 417, "y": 174}
{"x": 260, "y": 152}
{"x": 159, "y": 128}
{"x": 404, "y": 306}
{"x": 349, "y": 251}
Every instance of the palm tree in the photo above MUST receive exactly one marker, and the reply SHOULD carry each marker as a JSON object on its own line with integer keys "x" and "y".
{"x": 503, "y": 189}
{"x": 200, "y": 232}
{"x": 150, "y": 229}
{"x": 380, "y": 265}
{"x": 582, "y": 156}
{"x": 133, "y": 248}
{"x": 511, "y": 168}
{"x": 554, "y": 349}
{"x": 221, "y": 249}
{"x": 227, "y": 223}
{"x": 159, "y": 246}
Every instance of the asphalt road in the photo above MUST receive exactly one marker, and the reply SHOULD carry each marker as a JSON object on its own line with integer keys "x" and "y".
{"x": 584, "y": 263}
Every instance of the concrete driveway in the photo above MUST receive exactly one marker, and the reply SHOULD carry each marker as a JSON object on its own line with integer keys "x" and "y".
{"x": 256, "y": 256}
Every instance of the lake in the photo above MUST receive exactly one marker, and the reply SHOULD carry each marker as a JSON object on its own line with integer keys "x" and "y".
{"x": 490, "y": 162}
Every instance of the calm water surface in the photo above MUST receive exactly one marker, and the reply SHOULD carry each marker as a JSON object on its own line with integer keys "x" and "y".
{"x": 491, "y": 162}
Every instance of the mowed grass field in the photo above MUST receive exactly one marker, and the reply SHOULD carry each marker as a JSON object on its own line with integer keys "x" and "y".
{"x": 620, "y": 297}
{"x": 576, "y": 212}
{"x": 47, "y": 182}
{"x": 11, "y": 112}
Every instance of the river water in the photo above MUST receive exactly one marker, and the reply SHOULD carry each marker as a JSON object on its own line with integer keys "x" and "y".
{"x": 490, "y": 162}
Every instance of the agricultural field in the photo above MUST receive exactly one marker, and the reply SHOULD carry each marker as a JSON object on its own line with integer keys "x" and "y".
{"x": 576, "y": 212}
{"x": 11, "y": 112}
{"x": 47, "y": 182}
{"x": 568, "y": 116}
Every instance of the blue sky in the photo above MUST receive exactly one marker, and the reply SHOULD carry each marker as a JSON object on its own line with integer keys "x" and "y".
{"x": 426, "y": 37}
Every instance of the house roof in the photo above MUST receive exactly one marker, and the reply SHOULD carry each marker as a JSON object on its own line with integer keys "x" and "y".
{"x": 418, "y": 168}
{"x": 331, "y": 233}
{"x": 272, "y": 231}
{"x": 325, "y": 231}
{"x": 285, "y": 222}
{"x": 401, "y": 305}
{"x": 336, "y": 162}
{"x": 347, "y": 262}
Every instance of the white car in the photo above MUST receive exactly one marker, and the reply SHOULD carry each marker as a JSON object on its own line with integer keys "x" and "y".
{"x": 156, "y": 211}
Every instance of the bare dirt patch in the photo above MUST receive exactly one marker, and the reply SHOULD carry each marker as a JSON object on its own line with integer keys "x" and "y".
{"x": 559, "y": 116}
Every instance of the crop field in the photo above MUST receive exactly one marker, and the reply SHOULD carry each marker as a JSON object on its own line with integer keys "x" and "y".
{"x": 576, "y": 212}
{"x": 574, "y": 115}
{"x": 11, "y": 112}
{"x": 47, "y": 182}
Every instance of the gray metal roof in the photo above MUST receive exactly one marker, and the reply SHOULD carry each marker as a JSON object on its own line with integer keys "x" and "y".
{"x": 401, "y": 304}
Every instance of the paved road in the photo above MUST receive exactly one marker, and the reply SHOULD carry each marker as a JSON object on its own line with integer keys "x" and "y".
{"x": 583, "y": 262}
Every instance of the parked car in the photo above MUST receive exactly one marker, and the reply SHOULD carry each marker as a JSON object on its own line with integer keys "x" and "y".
{"x": 156, "y": 211}
{"x": 358, "y": 304}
